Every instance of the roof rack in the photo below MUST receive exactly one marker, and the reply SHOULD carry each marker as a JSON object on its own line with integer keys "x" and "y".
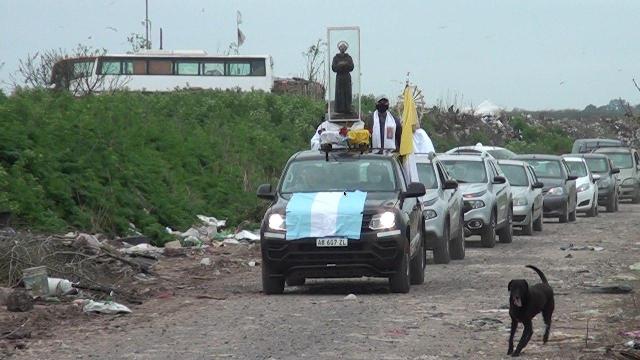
{"x": 477, "y": 152}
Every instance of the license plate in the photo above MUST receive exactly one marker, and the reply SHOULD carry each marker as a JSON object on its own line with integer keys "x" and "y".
{"x": 331, "y": 242}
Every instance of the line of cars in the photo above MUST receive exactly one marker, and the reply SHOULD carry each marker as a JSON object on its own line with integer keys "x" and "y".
{"x": 473, "y": 190}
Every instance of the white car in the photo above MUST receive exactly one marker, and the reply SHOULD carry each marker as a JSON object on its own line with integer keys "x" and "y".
{"x": 585, "y": 185}
{"x": 527, "y": 195}
{"x": 495, "y": 151}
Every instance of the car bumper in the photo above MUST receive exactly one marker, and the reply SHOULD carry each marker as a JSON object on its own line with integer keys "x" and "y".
{"x": 604, "y": 194}
{"x": 521, "y": 215}
{"x": 476, "y": 219}
{"x": 554, "y": 206}
{"x": 585, "y": 200}
{"x": 375, "y": 254}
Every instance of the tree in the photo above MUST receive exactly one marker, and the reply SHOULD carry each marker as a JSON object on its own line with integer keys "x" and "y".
{"x": 138, "y": 42}
{"x": 314, "y": 57}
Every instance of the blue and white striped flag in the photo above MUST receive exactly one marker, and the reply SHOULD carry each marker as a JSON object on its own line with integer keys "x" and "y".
{"x": 314, "y": 215}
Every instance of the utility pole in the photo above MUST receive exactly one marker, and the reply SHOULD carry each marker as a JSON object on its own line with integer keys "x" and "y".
{"x": 146, "y": 23}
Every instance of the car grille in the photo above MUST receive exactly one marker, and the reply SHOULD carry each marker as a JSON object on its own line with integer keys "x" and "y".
{"x": 306, "y": 252}
{"x": 519, "y": 218}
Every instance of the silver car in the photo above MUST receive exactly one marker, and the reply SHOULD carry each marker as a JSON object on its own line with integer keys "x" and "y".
{"x": 495, "y": 151}
{"x": 488, "y": 206}
{"x": 442, "y": 210}
{"x": 527, "y": 195}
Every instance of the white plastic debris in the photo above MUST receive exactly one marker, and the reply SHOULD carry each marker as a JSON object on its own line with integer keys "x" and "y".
{"x": 205, "y": 262}
{"x": 211, "y": 221}
{"x": 351, "y": 297}
{"x": 247, "y": 235}
{"x": 144, "y": 250}
{"x": 252, "y": 263}
{"x": 168, "y": 230}
{"x": 58, "y": 287}
{"x": 108, "y": 307}
{"x": 231, "y": 241}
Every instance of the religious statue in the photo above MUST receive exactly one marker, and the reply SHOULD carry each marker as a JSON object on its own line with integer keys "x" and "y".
{"x": 342, "y": 65}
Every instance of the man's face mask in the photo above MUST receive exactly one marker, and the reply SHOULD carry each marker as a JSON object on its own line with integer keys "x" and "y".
{"x": 382, "y": 106}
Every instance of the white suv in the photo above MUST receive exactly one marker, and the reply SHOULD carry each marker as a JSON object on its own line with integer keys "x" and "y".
{"x": 496, "y": 152}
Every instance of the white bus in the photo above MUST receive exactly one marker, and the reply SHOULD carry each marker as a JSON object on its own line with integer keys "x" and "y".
{"x": 166, "y": 70}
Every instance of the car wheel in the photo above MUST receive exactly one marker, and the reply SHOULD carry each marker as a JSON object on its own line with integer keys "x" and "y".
{"x": 594, "y": 209}
{"x": 611, "y": 203}
{"x": 295, "y": 281}
{"x": 418, "y": 264}
{"x": 488, "y": 236}
{"x": 565, "y": 214}
{"x": 527, "y": 229}
{"x": 538, "y": 224}
{"x": 441, "y": 247}
{"x": 271, "y": 284}
{"x": 457, "y": 244}
{"x": 636, "y": 197}
{"x": 506, "y": 233}
{"x": 399, "y": 282}
{"x": 617, "y": 203}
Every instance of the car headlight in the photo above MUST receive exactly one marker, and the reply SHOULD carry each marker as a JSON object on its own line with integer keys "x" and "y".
{"x": 386, "y": 220}
{"x": 474, "y": 195}
{"x": 430, "y": 214}
{"x": 556, "y": 191}
{"x": 520, "y": 201}
{"x": 584, "y": 187}
{"x": 475, "y": 204}
{"x": 276, "y": 222}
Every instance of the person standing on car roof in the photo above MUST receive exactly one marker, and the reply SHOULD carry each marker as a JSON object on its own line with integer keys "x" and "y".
{"x": 385, "y": 128}
{"x": 422, "y": 143}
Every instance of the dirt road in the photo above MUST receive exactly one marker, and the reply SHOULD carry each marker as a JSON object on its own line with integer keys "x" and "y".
{"x": 459, "y": 313}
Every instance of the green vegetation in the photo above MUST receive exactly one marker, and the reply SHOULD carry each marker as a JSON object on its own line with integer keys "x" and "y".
{"x": 536, "y": 140}
{"x": 97, "y": 163}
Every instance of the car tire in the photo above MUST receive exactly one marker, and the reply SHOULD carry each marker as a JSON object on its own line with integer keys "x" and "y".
{"x": 565, "y": 214}
{"x": 296, "y": 281}
{"x": 611, "y": 202}
{"x": 488, "y": 236}
{"x": 506, "y": 233}
{"x": 636, "y": 197}
{"x": 441, "y": 247}
{"x": 528, "y": 228}
{"x": 271, "y": 285}
{"x": 594, "y": 209}
{"x": 399, "y": 282}
{"x": 418, "y": 264}
{"x": 538, "y": 224}
{"x": 457, "y": 244}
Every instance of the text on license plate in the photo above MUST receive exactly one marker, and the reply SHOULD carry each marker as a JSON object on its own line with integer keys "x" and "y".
{"x": 331, "y": 242}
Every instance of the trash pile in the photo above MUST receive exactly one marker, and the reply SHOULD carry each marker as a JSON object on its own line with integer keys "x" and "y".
{"x": 207, "y": 232}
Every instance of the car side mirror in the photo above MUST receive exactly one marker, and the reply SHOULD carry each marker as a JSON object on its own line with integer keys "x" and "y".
{"x": 414, "y": 190}
{"x": 615, "y": 171}
{"x": 537, "y": 185}
{"x": 571, "y": 177}
{"x": 265, "y": 192}
{"x": 450, "y": 185}
{"x": 596, "y": 177}
{"x": 499, "y": 180}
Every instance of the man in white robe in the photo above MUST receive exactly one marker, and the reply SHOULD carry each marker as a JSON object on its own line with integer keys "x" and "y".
{"x": 385, "y": 128}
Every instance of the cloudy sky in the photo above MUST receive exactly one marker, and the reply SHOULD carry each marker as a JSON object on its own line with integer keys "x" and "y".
{"x": 530, "y": 54}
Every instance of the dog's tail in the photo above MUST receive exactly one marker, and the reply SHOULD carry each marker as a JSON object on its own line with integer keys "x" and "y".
{"x": 542, "y": 277}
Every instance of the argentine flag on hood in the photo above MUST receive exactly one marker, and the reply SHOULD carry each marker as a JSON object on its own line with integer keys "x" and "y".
{"x": 314, "y": 215}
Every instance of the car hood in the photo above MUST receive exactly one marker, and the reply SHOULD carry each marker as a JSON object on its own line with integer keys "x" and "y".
{"x": 583, "y": 180}
{"x": 472, "y": 188}
{"x": 373, "y": 203}
{"x": 551, "y": 183}
{"x": 520, "y": 191}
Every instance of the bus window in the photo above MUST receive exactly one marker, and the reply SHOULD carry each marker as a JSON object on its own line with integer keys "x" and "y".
{"x": 187, "y": 68}
{"x": 82, "y": 68}
{"x": 127, "y": 67}
{"x": 238, "y": 69}
{"x": 213, "y": 68}
{"x": 139, "y": 67}
{"x": 110, "y": 68}
{"x": 258, "y": 68}
{"x": 160, "y": 67}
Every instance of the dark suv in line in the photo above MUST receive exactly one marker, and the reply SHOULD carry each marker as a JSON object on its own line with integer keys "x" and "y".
{"x": 342, "y": 214}
{"x": 559, "y": 191}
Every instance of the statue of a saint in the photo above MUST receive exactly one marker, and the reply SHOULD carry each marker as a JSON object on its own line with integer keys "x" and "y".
{"x": 342, "y": 65}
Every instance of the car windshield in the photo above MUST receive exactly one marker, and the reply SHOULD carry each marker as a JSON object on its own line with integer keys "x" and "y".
{"x": 621, "y": 160}
{"x": 501, "y": 154}
{"x": 598, "y": 165}
{"x": 577, "y": 168}
{"x": 368, "y": 175}
{"x": 515, "y": 174}
{"x": 466, "y": 171}
{"x": 546, "y": 168}
{"x": 427, "y": 176}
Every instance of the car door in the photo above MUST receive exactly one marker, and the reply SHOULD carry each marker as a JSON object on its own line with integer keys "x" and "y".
{"x": 537, "y": 193}
{"x": 453, "y": 199}
{"x": 501, "y": 193}
{"x": 412, "y": 211}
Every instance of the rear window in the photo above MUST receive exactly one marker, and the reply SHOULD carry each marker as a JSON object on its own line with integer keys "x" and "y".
{"x": 466, "y": 171}
{"x": 546, "y": 168}
{"x": 515, "y": 174}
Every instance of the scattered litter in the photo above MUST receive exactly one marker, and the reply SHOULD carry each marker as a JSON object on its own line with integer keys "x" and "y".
{"x": 484, "y": 323}
{"x": 493, "y": 311}
{"x": 60, "y": 287}
{"x": 247, "y": 235}
{"x": 582, "y": 247}
{"x": 211, "y": 221}
{"x": 19, "y": 301}
{"x": 558, "y": 336}
{"x": 633, "y": 344}
{"x": 107, "y": 307}
{"x": 136, "y": 240}
{"x": 191, "y": 241}
{"x": 144, "y": 250}
{"x": 205, "y": 262}
{"x": 568, "y": 256}
{"x": 610, "y": 289}
{"x": 351, "y": 297}
{"x": 35, "y": 280}
{"x": 633, "y": 334}
{"x": 252, "y": 263}
{"x": 635, "y": 266}
{"x": 623, "y": 277}
{"x": 70, "y": 235}
{"x": 231, "y": 241}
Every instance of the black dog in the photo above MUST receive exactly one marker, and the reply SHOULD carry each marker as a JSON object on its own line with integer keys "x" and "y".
{"x": 524, "y": 304}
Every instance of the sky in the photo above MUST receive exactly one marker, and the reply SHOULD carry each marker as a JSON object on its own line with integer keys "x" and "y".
{"x": 543, "y": 54}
